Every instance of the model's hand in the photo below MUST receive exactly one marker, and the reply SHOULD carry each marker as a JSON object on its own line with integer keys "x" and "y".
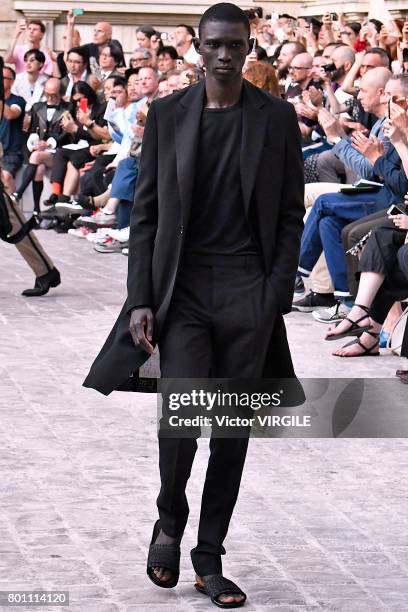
{"x": 141, "y": 328}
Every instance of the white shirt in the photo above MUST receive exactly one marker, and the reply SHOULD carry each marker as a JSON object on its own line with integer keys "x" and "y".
{"x": 31, "y": 92}
{"x": 191, "y": 57}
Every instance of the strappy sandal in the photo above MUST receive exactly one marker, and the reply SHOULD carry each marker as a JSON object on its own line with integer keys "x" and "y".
{"x": 355, "y": 329}
{"x": 217, "y": 585}
{"x": 367, "y": 351}
{"x": 166, "y": 556}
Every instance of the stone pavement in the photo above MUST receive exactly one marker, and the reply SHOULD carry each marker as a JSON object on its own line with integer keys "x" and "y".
{"x": 319, "y": 524}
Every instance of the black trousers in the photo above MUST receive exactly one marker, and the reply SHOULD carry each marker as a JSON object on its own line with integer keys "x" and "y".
{"x": 351, "y": 234}
{"x": 219, "y": 325}
{"x": 382, "y": 254}
{"x": 93, "y": 182}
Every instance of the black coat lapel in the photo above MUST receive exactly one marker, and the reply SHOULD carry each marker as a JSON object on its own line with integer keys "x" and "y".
{"x": 254, "y": 122}
{"x": 187, "y": 120}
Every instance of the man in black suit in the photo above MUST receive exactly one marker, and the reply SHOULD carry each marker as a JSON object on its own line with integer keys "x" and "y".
{"x": 45, "y": 134}
{"x": 214, "y": 244}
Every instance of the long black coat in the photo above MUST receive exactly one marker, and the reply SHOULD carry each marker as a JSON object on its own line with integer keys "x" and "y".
{"x": 272, "y": 186}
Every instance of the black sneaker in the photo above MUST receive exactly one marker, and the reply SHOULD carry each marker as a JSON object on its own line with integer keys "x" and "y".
{"x": 299, "y": 285}
{"x": 313, "y": 300}
{"x": 52, "y": 200}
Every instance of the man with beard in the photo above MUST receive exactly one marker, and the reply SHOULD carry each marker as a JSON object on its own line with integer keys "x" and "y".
{"x": 214, "y": 241}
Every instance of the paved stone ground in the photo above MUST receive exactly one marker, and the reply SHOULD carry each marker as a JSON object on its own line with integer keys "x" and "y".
{"x": 319, "y": 525}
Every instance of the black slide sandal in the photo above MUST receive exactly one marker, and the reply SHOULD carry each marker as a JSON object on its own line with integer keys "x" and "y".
{"x": 217, "y": 585}
{"x": 166, "y": 556}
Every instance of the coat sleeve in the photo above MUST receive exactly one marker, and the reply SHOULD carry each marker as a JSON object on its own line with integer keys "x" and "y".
{"x": 390, "y": 169}
{"x": 143, "y": 220}
{"x": 290, "y": 219}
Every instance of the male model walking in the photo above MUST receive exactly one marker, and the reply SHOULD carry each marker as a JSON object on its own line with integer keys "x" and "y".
{"x": 214, "y": 243}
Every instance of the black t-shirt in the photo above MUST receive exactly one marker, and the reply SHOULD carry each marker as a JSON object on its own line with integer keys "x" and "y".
{"x": 218, "y": 224}
{"x": 11, "y": 132}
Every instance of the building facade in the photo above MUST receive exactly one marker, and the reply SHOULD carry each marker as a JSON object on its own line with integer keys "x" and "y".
{"x": 126, "y": 15}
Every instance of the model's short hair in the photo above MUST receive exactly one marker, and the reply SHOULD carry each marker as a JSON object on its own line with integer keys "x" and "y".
{"x": 38, "y": 55}
{"x": 37, "y": 22}
{"x": 169, "y": 50}
{"x": 224, "y": 11}
{"x": 189, "y": 29}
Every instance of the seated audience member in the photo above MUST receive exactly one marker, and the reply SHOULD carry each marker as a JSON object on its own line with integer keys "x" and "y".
{"x": 133, "y": 84}
{"x": 30, "y": 83}
{"x": 34, "y": 31}
{"x": 86, "y": 128}
{"x": 45, "y": 135}
{"x": 263, "y": 75}
{"x": 11, "y": 126}
{"x": 166, "y": 59}
{"x": 109, "y": 61}
{"x": 140, "y": 58}
{"x": 183, "y": 37}
{"x": 383, "y": 280}
{"x": 174, "y": 81}
{"x": 332, "y": 211}
{"x": 163, "y": 89}
{"x": 77, "y": 69}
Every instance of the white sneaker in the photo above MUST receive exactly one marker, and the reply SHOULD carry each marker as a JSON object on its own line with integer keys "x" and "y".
{"x": 121, "y": 235}
{"x": 79, "y": 232}
{"x": 97, "y": 237}
{"x": 334, "y": 314}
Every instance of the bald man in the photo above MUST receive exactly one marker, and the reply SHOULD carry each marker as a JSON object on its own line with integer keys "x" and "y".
{"x": 101, "y": 36}
{"x": 301, "y": 74}
{"x": 343, "y": 159}
{"x": 45, "y": 135}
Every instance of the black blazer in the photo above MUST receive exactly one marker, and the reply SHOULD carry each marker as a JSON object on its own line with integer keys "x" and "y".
{"x": 273, "y": 190}
{"x": 39, "y": 123}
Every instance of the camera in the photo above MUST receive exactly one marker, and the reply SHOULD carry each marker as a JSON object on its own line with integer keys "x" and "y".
{"x": 329, "y": 67}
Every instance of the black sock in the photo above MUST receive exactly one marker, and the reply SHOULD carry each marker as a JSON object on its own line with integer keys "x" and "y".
{"x": 28, "y": 175}
{"x": 37, "y": 191}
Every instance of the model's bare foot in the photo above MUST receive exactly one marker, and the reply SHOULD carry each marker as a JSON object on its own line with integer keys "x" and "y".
{"x": 369, "y": 342}
{"x": 356, "y": 314}
{"x": 162, "y": 573}
{"x": 224, "y": 597}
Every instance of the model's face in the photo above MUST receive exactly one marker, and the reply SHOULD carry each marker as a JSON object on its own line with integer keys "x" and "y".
{"x": 75, "y": 64}
{"x": 165, "y": 62}
{"x": 224, "y": 47}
